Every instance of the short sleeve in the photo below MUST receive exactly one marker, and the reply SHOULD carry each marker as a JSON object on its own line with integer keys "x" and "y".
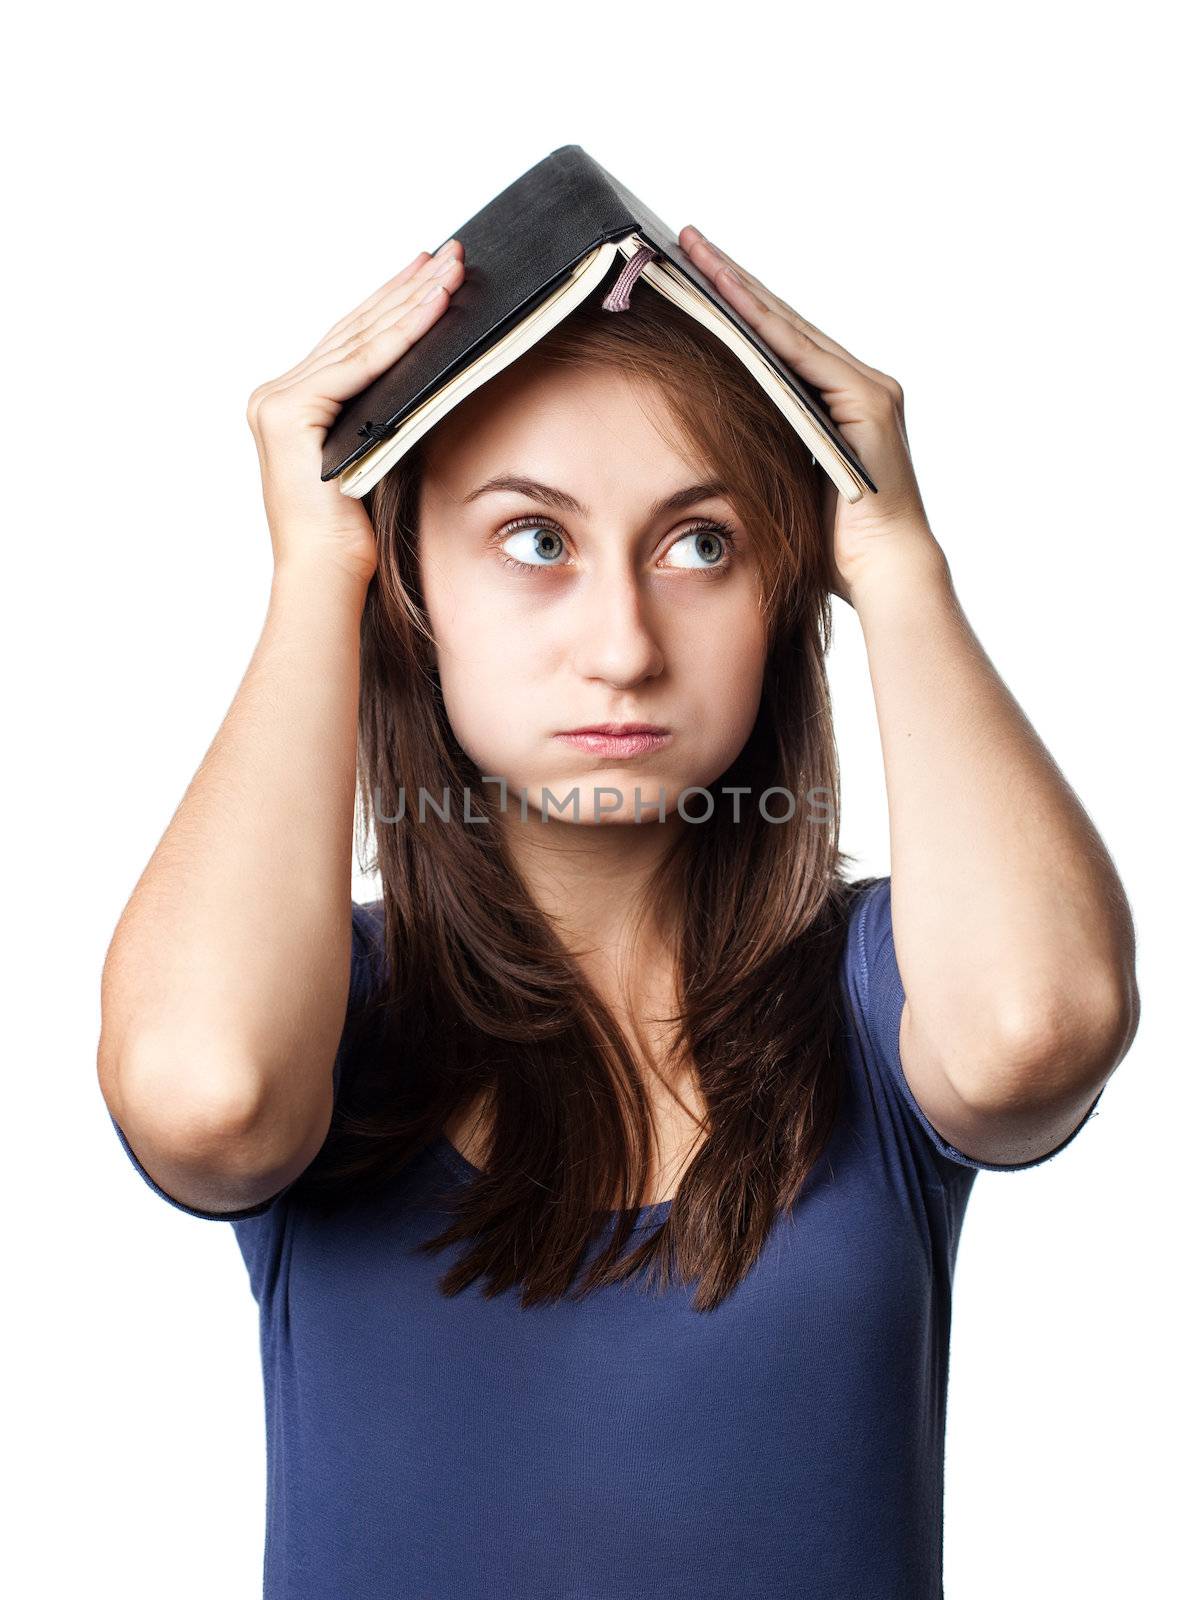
{"x": 367, "y": 975}
{"x": 878, "y": 997}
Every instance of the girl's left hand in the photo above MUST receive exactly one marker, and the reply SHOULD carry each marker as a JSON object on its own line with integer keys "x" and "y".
{"x": 867, "y": 407}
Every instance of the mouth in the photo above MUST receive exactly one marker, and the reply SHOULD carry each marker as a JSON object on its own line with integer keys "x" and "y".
{"x": 618, "y": 739}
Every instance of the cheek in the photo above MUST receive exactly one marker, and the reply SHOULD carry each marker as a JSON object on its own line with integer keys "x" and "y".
{"x": 725, "y": 672}
{"x": 733, "y": 693}
{"x": 480, "y": 689}
{"x": 467, "y": 629}
{"x": 486, "y": 681}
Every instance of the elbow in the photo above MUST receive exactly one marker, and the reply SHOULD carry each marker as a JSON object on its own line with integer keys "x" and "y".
{"x": 1056, "y": 1050}
{"x": 207, "y": 1139}
{"x": 207, "y": 1129}
{"x": 202, "y": 1121}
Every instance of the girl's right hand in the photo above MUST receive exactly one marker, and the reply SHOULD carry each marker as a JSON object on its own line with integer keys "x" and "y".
{"x": 290, "y": 416}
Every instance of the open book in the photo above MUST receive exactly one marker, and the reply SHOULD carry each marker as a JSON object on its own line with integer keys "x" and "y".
{"x": 531, "y": 255}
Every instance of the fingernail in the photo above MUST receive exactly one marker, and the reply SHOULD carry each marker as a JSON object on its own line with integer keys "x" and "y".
{"x": 426, "y": 298}
{"x": 729, "y": 272}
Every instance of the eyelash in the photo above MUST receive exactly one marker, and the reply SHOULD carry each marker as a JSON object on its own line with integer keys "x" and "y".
{"x": 708, "y": 525}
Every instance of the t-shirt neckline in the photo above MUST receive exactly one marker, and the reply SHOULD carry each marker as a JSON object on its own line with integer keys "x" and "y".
{"x": 452, "y": 1158}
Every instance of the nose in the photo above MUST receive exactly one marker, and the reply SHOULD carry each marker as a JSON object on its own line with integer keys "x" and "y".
{"x": 615, "y": 638}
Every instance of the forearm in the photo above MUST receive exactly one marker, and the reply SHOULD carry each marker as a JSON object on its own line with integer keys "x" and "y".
{"x": 1009, "y": 919}
{"x": 227, "y": 974}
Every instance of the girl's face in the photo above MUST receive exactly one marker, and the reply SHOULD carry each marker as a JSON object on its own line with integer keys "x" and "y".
{"x": 574, "y": 574}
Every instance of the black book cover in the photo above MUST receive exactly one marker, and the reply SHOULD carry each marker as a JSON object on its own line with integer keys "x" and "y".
{"x": 522, "y": 244}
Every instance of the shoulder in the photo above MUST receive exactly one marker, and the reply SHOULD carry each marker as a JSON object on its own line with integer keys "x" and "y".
{"x": 368, "y": 952}
{"x": 876, "y": 992}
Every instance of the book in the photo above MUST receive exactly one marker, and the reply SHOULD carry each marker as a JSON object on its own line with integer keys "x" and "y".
{"x": 531, "y": 255}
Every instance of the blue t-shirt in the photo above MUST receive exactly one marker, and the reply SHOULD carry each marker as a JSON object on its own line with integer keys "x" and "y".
{"x": 788, "y": 1443}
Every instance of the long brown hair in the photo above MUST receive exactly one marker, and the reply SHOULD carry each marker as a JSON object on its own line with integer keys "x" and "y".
{"x": 481, "y": 995}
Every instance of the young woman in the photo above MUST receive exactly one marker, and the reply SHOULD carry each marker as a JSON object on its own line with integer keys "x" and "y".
{"x": 600, "y": 1184}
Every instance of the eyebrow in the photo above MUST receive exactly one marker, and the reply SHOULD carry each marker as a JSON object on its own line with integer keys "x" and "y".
{"x": 562, "y": 501}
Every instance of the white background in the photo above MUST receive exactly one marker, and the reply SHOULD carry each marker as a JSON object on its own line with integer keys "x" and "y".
{"x": 990, "y": 205}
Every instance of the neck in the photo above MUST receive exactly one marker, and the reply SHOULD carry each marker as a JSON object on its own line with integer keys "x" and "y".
{"x": 591, "y": 881}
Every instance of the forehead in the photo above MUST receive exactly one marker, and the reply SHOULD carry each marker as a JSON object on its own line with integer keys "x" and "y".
{"x": 605, "y": 437}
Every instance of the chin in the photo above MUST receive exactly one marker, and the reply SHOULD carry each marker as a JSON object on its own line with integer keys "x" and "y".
{"x": 605, "y": 809}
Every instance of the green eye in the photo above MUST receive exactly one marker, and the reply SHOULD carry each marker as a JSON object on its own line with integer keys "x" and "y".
{"x": 532, "y": 546}
{"x": 534, "y": 542}
{"x": 708, "y": 545}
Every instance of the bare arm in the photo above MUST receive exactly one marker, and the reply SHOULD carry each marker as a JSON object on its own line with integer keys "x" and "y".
{"x": 225, "y": 986}
{"x": 1014, "y": 938}
{"x": 224, "y": 989}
